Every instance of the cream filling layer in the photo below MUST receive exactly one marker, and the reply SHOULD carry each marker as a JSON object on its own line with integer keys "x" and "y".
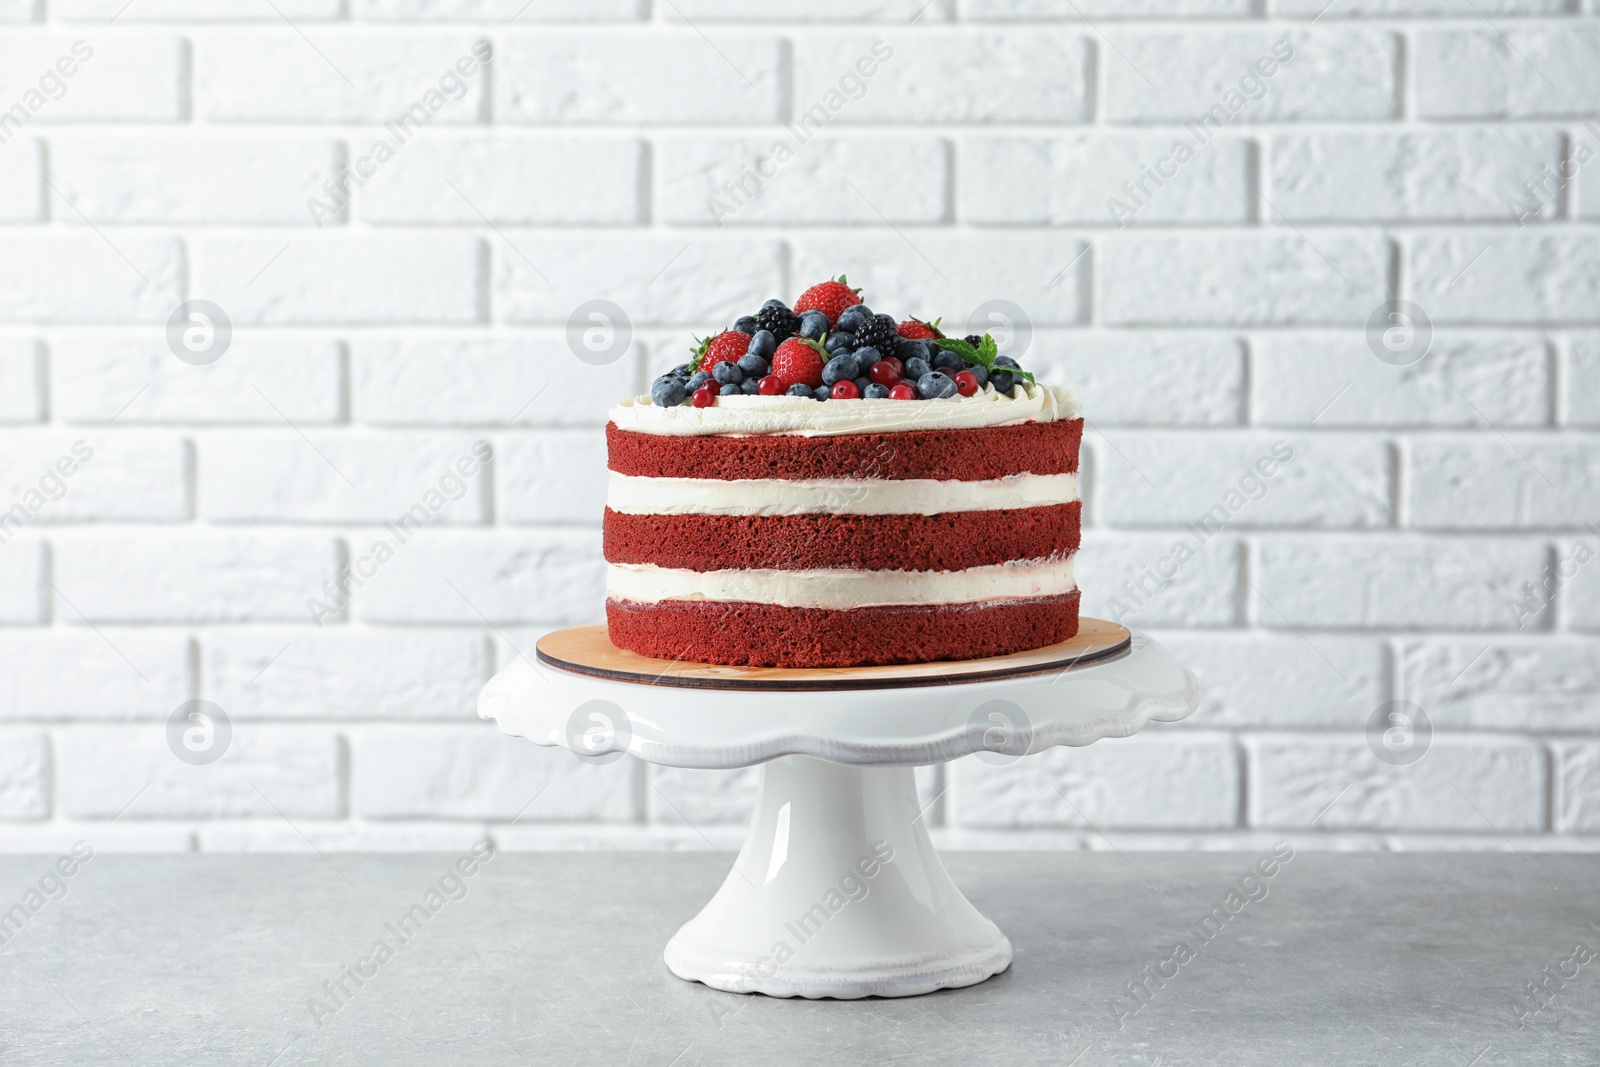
{"x": 841, "y": 588}
{"x": 634, "y": 495}
{"x": 804, "y": 417}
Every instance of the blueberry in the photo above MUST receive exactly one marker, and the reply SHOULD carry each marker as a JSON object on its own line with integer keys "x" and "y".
{"x": 1005, "y": 361}
{"x": 840, "y": 341}
{"x": 774, "y": 303}
{"x": 822, "y": 392}
{"x": 1002, "y": 380}
{"x": 916, "y": 369}
{"x": 746, "y": 324}
{"x": 862, "y": 383}
{"x": 980, "y": 372}
{"x": 907, "y": 349}
{"x": 727, "y": 373}
{"x": 875, "y": 392}
{"x": 854, "y": 316}
{"x": 750, "y": 386}
{"x": 680, "y": 371}
{"x": 839, "y": 368}
{"x": 728, "y": 389}
{"x": 866, "y": 357}
{"x": 813, "y": 324}
{"x": 935, "y": 385}
{"x": 753, "y": 366}
{"x": 762, "y": 344}
{"x": 799, "y": 389}
{"x": 946, "y": 360}
{"x": 668, "y": 391}
{"x": 700, "y": 378}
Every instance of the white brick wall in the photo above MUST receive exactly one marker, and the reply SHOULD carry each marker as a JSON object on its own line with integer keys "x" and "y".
{"x": 970, "y": 156}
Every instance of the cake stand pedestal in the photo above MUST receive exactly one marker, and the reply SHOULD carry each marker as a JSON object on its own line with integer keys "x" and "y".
{"x": 837, "y": 891}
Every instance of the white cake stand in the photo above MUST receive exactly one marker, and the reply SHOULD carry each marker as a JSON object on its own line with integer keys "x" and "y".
{"x": 837, "y": 891}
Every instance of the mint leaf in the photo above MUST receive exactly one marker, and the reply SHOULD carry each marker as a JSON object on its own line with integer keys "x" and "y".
{"x": 959, "y": 347}
{"x": 988, "y": 350}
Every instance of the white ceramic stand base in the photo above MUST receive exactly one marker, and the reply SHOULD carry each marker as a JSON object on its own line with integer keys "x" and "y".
{"x": 837, "y": 891}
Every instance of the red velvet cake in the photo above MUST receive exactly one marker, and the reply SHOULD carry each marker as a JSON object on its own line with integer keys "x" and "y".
{"x": 752, "y": 524}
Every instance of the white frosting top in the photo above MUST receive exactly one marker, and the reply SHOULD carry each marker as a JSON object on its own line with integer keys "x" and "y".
{"x": 804, "y": 417}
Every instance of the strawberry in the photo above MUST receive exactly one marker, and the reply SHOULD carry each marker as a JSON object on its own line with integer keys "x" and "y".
{"x": 725, "y": 347}
{"x": 917, "y": 330}
{"x": 830, "y": 298}
{"x": 798, "y": 362}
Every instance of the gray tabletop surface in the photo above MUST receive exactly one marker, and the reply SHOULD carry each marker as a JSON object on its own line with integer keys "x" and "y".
{"x": 556, "y": 959}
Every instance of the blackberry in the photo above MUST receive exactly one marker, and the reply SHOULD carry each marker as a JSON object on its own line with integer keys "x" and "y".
{"x": 779, "y": 321}
{"x": 880, "y": 333}
{"x": 973, "y": 339}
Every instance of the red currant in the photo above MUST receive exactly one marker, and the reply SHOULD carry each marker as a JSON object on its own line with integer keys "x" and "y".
{"x": 966, "y": 382}
{"x": 705, "y": 396}
{"x": 884, "y": 372}
{"x": 771, "y": 385}
{"x": 901, "y": 391}
{"x": 845, "y": 390}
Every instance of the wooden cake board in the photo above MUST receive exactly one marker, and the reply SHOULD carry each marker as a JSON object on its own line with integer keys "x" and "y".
{"x": 587, "y": 650}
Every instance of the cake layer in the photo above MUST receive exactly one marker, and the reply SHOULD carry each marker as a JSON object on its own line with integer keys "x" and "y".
{"x": 840, "y": 587}
{"x": 950, "y": 541}
{"x": 833, "y": 496}
{"x": 766, "y": 635}
{"x": 972, "y": 455}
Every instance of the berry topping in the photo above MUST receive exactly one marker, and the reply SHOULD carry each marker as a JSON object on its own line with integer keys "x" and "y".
{"x": 801, "y": 389}
{"x": 813, "y": 324}
{"x": 725, "y": 347}
{"x": 706, "y": 395}
{"x": 880, "y": 333}
{"x": 729, "y": 389}
{"x": 830, "y": 297}
{"x": 822, "y": 392}
{"x": 966, "y": 382}
{"x": 778, "y": 320}
{"x": 875, "y": 392}
{"x": 727, "y": 373}
{"x": 853, "y": 318}
{"x": 746, "y": 324}
{"x": 668, "y": 392}
{"x": 903, "y": 391}
{"x": 763, "y": 344}
{"x": 917, "y": 330}
{"x": 936, "y": 385}
{"x": 798, "y": 362}
{"x": 839, "y": 368}
{"x": 845, "y": 390}
{"x": 753, "y": 365}
{"x": 883, "y": 372}
{"x": 771, "y": 385}
{"x": 840, "y": 341}
{"x": 915, "y": 369}
{"x": 948, "y": 361}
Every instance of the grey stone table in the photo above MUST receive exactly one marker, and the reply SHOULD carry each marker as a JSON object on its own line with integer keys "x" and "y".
{"x": 556, "y": 959}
